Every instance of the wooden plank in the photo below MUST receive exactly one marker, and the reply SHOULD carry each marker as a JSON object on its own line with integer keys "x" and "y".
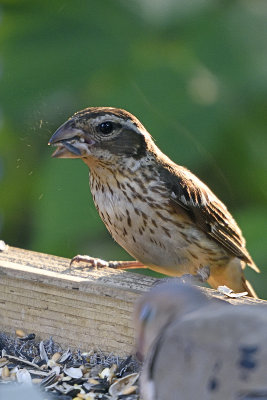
{"x": 80, "y": 308}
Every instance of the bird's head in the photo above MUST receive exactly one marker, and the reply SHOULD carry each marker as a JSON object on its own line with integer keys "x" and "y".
{"x": 162, "y": 305}
{"x": 101, "y": 134}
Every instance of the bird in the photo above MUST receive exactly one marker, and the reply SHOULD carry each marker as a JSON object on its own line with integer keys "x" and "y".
{"x": 164, "y": 216}
{"x": 23, "y": 390}
{"x": 195, "y": 346}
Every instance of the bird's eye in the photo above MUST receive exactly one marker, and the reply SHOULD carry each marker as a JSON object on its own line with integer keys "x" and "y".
{"x": 106, "y": 127}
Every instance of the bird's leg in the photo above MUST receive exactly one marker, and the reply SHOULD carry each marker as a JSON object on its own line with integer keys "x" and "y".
{"x": 203, "y": 273}
{"x": 201, "y": 276}
{"x": 98, "y": 263}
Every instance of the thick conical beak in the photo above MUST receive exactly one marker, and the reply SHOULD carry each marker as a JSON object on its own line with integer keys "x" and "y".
{"x": 64, "y": 132}
{"x": 68, "y": 139}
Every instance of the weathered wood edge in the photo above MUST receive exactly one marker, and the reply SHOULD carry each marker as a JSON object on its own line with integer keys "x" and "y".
{"x": 80, "y": 308}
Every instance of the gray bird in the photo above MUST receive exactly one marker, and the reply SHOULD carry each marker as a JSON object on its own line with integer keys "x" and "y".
{"x": 200, "y": 348}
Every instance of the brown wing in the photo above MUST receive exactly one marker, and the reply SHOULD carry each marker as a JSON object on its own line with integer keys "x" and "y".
{"x": 207, "y": 211}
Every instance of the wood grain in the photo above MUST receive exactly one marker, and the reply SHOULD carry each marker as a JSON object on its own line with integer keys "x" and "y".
{"x": 80, "y": 308}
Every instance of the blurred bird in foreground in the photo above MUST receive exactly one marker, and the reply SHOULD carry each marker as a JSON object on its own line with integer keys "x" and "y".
{"x": 14, "y": 391}
{"x": 197, "y": 347}
{"x": 158, "y": 211}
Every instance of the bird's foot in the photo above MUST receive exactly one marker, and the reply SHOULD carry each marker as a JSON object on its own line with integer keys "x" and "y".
{"x": 97, "y": 263}
{"x": 92, "y": 262}
{"x": 201, "y": 276}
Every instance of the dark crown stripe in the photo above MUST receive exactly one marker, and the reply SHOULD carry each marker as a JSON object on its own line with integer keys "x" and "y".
{"x": 95, "y": 112}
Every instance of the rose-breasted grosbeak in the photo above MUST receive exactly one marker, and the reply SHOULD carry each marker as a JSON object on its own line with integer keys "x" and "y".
{"x": 158, "y": 211}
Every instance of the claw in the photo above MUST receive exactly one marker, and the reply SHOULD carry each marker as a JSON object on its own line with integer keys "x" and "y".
{"x": 93, "y": 262}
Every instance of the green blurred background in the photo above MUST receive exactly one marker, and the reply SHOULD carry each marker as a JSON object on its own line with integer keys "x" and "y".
{"x": 194, "y": 72}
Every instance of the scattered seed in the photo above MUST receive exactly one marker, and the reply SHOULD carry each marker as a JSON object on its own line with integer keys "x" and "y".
{"x": 5, "y": 372}
{"x": 73, "y": 372}
{"x": 23, "y": 376}
{"x": 122, "y": 384}
{"x": 20, "y": 333}
{"x": 129, "y": 390}
{"x": 36, "y": 381}
{"x": 31, "y": 336}
{"x": 65, "y": 356}
{"x": 69, "y": 375}
{"x": 43, "y": 353}
{"x": 56, "y": 357}
{"x": 3, "y": 246}
{"x": 3, "y": 362}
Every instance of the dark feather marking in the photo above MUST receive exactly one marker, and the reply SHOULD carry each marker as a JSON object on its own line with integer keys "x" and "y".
{"x": 148, "y": 198}
{"x": 127, "y": 197}
{"x": 128, "y": 143}
{"x": 192, "y": 254}
{"x": 140, "y": 183}
{"x": 144, "y": 215}
{"x": 95, "y": 112}
{"x": 211, "y": 217}
{"x": 109, "y": 219}
{"x": 137, "y": 212}
{"x": 166, "y": 230}
{"x": 111, "y": 191}
{"x": 154, "y": 223}
{"x": 157, "y": 189}
{"x": 131, "y": 187}
{"x": 160, "y": 215}
{"x": 129, "y": 221}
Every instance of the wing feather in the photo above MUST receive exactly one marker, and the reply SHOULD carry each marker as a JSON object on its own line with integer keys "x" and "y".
{"x": 207, "y": 211}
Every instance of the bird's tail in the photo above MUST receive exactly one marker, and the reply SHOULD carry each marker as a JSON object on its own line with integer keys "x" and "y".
{"x": 249, "y": 288}
{"x": 231, "y": 275}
